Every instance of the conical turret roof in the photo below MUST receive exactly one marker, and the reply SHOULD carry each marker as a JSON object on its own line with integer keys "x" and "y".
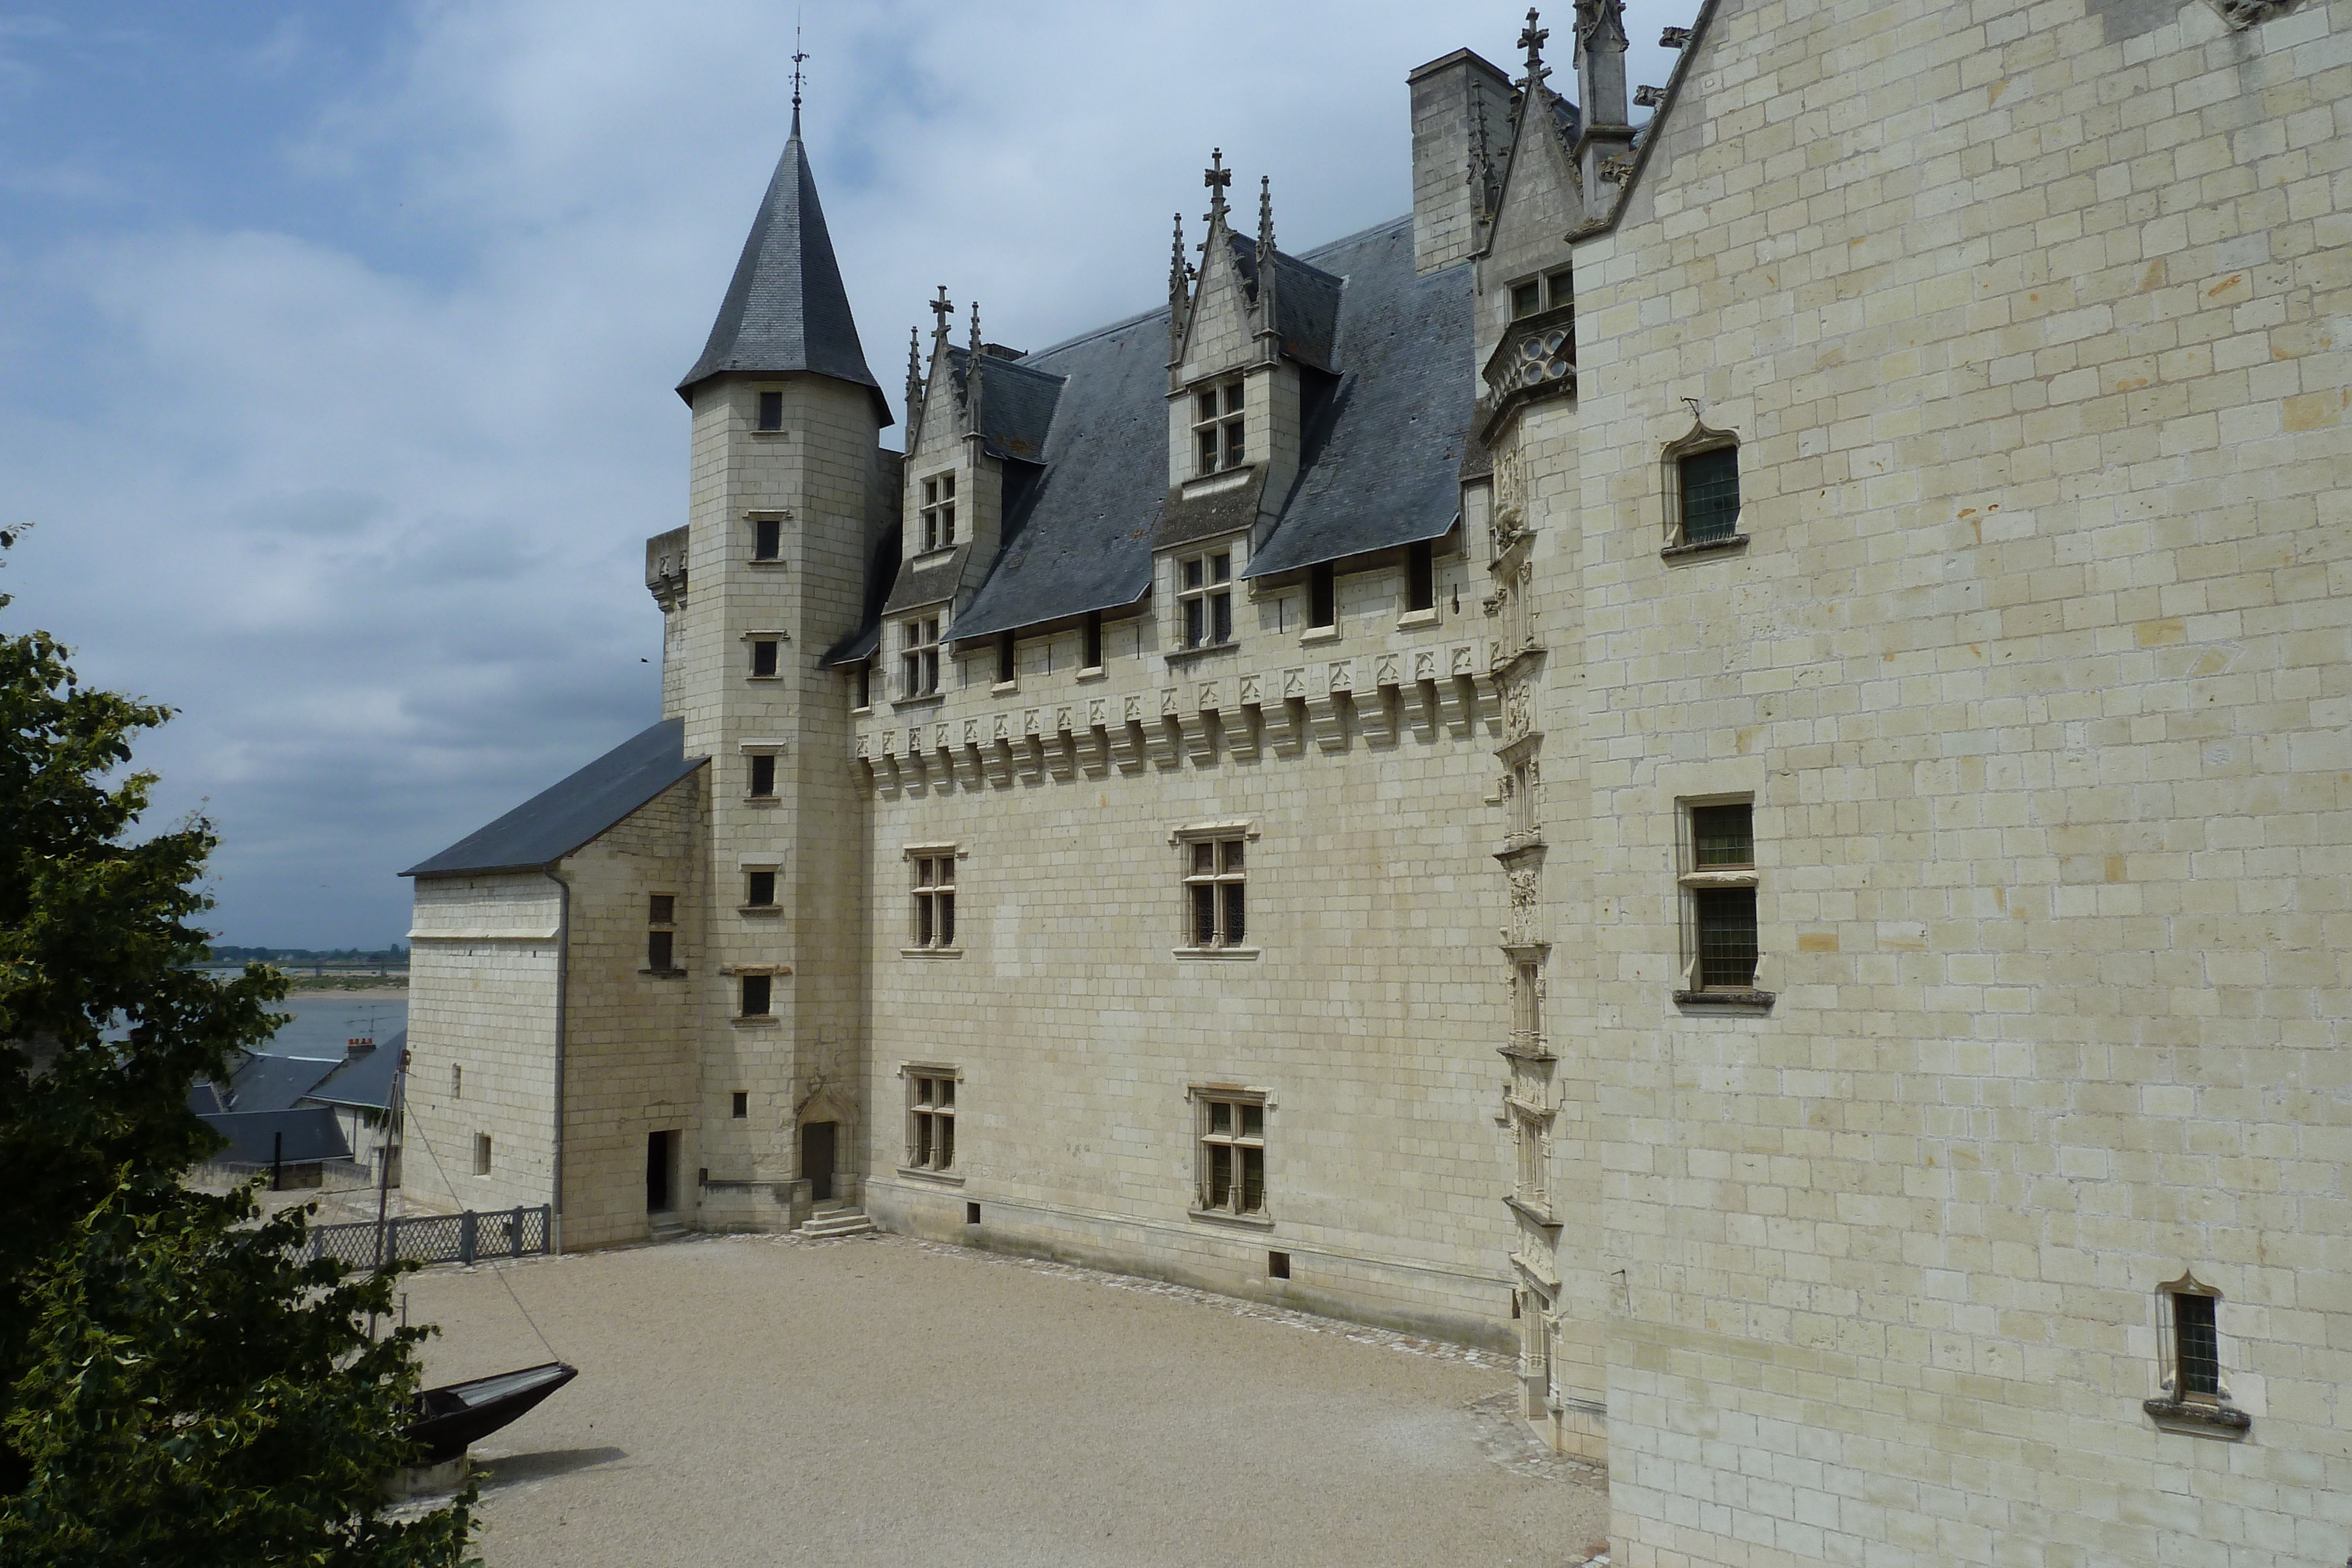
{"x": 786, "y": 309}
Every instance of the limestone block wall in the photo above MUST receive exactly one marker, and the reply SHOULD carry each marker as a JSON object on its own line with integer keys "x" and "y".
{"x": 630, "y": 1064}
{"x": 821, "y": 474}
{"x": 2029, "y": 320}
{"x": 1369, "y": 1012}
{"x": 481, "y": 1041}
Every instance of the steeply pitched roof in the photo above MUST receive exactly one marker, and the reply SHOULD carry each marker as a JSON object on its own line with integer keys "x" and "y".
{"x": 1382, "y": 457}
{"x": 554, "y": 823}
{"x": 255, "y": 1137}
{"x": 1383, "y": 448}
{"x": 785, "y": 308}
{"x": 363, "y": 1080}
{"x": 1081, "y": 538}
{"x": 1306, "y": 301}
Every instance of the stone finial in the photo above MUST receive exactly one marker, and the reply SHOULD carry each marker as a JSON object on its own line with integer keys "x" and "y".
{"x": 974, "y": 357}
{"x": 1601, "y": 24}
{"x": 1216, "y": 177}
{"x": 1179, "y": 286}
{"x": 941, "y": 309}
{"x": 1531, "y": 38}
{"x": 1267, "y": 330}
{"x": 914, "y": 372}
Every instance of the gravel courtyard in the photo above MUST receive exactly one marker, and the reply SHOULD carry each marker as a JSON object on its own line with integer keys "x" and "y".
{"x": 886, "y": 1401}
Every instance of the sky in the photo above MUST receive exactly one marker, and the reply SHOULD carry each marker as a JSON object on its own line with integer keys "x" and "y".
{"x": 337, "y": 355}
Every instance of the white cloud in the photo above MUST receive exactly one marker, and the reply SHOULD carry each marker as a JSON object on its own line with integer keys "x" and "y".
{"x": 368, "y": 508}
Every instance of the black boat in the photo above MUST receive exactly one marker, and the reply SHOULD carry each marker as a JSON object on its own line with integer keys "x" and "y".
{"x": 456, "y": 1413}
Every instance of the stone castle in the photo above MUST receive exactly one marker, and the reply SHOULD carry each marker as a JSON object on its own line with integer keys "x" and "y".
{"x": 1720, "y": 757}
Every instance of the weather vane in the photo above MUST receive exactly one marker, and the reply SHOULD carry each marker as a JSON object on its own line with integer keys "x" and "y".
{"x": 799, "y": 55}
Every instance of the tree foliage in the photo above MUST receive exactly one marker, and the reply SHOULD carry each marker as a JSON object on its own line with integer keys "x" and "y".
{"x": 198, "y": 1397}
{"x": 155, "y": 1347}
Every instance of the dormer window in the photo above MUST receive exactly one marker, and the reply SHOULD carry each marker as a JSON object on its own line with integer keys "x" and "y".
{"x": 920, "y": 667}
{"x": 1217, "y": 426}
{"x": 939, "y": 512}
{"x": 1206, "y": 594}
{"x": 1537, "y": 294}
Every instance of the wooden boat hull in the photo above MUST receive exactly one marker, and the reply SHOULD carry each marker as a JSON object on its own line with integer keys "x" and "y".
{"x": 455, "y": 1414}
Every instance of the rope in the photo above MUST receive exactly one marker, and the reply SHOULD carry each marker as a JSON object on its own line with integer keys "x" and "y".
{"x": 502, "y": 1273}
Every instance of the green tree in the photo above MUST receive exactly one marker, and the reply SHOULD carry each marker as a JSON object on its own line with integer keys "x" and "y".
{"x": 159, "y": 1359}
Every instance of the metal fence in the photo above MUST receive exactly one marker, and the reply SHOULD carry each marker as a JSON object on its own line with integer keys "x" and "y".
{"x": 467, "y": 1237}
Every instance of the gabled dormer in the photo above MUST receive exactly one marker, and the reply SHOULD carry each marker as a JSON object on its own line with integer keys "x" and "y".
{"x": 977, "y": 420}
{"x": 1250, "y": 349}
{"x": 1526, "y": 296}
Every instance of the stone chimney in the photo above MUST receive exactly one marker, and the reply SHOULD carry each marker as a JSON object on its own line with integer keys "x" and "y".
{"x": 1606, "y": 143}
{"x": 1461, "y": 126}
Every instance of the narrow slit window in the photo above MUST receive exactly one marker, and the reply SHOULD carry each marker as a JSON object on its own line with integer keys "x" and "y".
{"x": 1723, "y": 916}
{"x": 481, "y": 1153}
{"x": 1007, "y": 658}
{"x": 1322, "y": 596}
{"x": 2197, "y": 1346}
{"x": 661, "y": 940}
{"x": 863, "y": 677}
{"x": 1710, "y": 487}
{"x": 1094, "y": 648}
{"x": 1420, "y": 576}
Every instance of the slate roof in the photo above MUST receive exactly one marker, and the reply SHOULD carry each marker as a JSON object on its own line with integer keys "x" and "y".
{"x": 263, "y": 1082}
{"x": 1017, "y": 403}
{"x": 311, "y": 1132}
{"x": 785, "y": 308}
{"x": 1382, "y": 456}
{"x": 1306, "y": 301}
{"x": 556, "y": 821}
{"x": 1380, "y": 468}
{"x": 363, "y": 1080}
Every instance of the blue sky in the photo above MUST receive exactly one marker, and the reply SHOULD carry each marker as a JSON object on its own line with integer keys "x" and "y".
{"x": 336, "y": 371}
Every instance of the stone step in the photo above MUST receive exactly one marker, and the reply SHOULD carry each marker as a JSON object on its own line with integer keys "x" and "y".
{"x": 826, "y": 1223}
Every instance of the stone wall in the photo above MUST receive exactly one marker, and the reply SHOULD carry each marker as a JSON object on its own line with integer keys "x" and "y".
{"x": 481, "y": 1041}
{"x": 1367, "y": 1006}
{"x": 630, "y": 1049}
{"x": 2028, "y": 322}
